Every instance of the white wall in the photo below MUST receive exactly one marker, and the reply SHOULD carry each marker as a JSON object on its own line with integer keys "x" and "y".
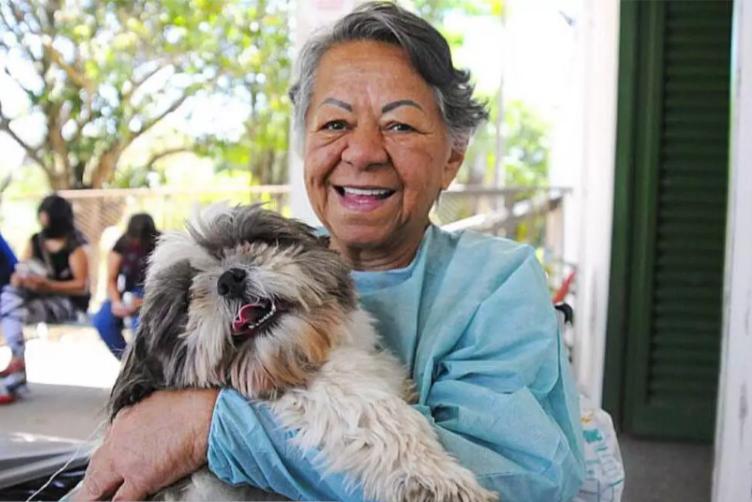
{"x": 599, "y": 39}
{"x": 565, "y": 167}
{"x": 732, "y": 476}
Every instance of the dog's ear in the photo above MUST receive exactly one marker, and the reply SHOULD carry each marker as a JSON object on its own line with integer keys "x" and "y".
{"x": 175, "y": 247}
{"x": 157, "y": 353}
{"x": 137, "y": 379}
{"x": 324, "y": 241}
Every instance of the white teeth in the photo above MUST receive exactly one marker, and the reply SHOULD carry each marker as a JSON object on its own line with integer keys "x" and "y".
{"x": 374, "y": 192}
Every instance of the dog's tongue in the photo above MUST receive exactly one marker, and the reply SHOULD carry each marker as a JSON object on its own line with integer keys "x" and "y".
{"x": 248, "y": 314}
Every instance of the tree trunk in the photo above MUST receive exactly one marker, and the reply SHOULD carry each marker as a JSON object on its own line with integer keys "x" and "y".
{"x": 106, "y": 166}
{"x": 58, "y": 181}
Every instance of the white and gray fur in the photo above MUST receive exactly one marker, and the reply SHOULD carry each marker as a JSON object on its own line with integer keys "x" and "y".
{"x": 317, "y": 365}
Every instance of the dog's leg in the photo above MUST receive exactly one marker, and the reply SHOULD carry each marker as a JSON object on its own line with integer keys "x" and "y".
{"x": 414, "y": 466}
{"x": 356, "y": 418}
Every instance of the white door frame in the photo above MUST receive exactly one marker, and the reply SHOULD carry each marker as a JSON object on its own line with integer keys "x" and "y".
{"x": 732, "y": 473}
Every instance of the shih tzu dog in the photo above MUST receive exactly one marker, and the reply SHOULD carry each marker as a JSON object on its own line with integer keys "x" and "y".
{"x": 248, "y": 299}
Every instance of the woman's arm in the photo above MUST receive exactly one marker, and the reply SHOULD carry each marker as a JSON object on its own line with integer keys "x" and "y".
{"x": 150, "y": 445}
{"x": 170, "y": 434}
{"x": 114, "y": 260}
{"x": 501, "y": 394}
{"x": 78, "y": 285}
{"x": 16, "y": 280}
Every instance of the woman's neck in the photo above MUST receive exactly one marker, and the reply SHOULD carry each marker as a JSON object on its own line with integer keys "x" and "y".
{"x": 398, "y": 254}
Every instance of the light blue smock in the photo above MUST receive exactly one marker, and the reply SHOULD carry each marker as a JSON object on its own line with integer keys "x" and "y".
{"x": 472, "y": 319}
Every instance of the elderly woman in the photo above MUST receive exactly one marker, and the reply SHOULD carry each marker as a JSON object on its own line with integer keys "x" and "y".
{"x": 385, "y": 119}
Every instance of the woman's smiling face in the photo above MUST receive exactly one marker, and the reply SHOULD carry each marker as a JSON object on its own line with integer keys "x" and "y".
{"x": 377, "y": 151}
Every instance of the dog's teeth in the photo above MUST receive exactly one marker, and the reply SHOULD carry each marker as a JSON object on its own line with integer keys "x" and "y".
{"x": 264, "y": 318}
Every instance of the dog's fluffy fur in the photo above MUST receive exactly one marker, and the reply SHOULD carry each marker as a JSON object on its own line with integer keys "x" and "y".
{"x": 311, "y": 353}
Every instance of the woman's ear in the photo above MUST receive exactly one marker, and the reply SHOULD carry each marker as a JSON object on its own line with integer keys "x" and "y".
{"x": 452, "y": 166}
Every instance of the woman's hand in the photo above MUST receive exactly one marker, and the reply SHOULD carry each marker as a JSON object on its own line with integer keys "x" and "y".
{"x": 36, "y": 283}
{"x": 136, "y": 304}
{"x": 16, "y": 280}
{"x": 150, "y": 445}
{"x": 120, "y": 310}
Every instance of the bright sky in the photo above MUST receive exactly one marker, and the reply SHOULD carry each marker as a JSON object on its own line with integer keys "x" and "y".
{"x": 535, "y": 49}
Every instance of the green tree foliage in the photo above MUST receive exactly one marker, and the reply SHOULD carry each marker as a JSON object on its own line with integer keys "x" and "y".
{"x": 261, "y": 78}
{"x": 99, "y": 74}
{"x": 526, "y": 148}
{"x": 436, "y": 12}
{"x": 525, "y": 134}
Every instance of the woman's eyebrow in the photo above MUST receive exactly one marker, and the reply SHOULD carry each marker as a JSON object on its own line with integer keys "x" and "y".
{"x": 402, "y": 102}
{"x": 336, "y": 102}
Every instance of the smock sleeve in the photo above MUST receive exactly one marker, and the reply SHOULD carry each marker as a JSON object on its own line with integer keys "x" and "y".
{"x": 502, "y": 397}
{"x": 246, "y": 446}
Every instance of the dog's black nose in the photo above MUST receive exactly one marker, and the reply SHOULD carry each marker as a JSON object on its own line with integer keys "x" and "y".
{"x": 232, "y": 283}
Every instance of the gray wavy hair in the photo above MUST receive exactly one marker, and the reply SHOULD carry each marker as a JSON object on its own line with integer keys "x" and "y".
{"x": 427, "y": 49}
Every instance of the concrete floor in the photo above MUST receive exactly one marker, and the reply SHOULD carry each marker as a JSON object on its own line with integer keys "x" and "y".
{"x": 666, "y": 472}
{"x": 70, "y": 375}
{"x": 57, "y": 410}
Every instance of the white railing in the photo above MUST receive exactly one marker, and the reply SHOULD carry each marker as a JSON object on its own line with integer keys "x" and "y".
{"x": 533, "y": 215}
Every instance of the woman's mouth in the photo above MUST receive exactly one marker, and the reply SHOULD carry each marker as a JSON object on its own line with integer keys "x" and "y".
{"x": 362, "y": 198}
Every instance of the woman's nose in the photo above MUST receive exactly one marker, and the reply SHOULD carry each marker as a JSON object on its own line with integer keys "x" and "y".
{"x": 365, "y": 147}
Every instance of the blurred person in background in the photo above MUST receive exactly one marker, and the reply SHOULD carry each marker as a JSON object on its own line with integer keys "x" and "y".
{"x": 8, "y": 262}
{"x": 126, "y": 271}
{"x": 50, "y": 284}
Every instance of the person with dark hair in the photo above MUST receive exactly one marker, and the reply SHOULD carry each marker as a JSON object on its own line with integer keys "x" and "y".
{"x": 383, "y": 119}
{"x": 49, "y": 284}
{"x": 126, "y": 271}
{"x": 8, "y": 262}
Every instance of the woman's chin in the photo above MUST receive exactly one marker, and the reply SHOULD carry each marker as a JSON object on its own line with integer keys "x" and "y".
{"x": 360, "y": 236}
{"x": 365, "y": 227}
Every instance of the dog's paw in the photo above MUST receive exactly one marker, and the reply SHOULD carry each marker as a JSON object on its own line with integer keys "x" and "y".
{"x": 445, "y": 489}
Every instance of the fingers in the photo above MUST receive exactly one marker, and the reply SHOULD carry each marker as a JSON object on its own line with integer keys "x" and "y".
{"x": 92, "y": 489}
{"x": 129, "y": 491}
{"x": 100, "y": 481}
{"x": 145, "y": 450}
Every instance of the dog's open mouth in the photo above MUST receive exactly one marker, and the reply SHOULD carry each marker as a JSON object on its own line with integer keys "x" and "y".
{"x": 252, "y": 317}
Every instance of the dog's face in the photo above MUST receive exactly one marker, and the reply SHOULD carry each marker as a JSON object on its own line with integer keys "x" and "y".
{"x": 244, "y": 298}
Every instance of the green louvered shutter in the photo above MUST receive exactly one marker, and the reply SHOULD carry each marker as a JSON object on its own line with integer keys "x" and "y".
{"x": 680, "y": 185}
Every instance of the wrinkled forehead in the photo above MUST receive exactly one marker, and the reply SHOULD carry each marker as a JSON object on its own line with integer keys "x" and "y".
{"x": 375, "y": 73}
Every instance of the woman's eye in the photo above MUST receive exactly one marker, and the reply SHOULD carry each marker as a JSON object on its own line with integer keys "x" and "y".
{"x": 400, "y": 127}
{"x": 335, "y": 125}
